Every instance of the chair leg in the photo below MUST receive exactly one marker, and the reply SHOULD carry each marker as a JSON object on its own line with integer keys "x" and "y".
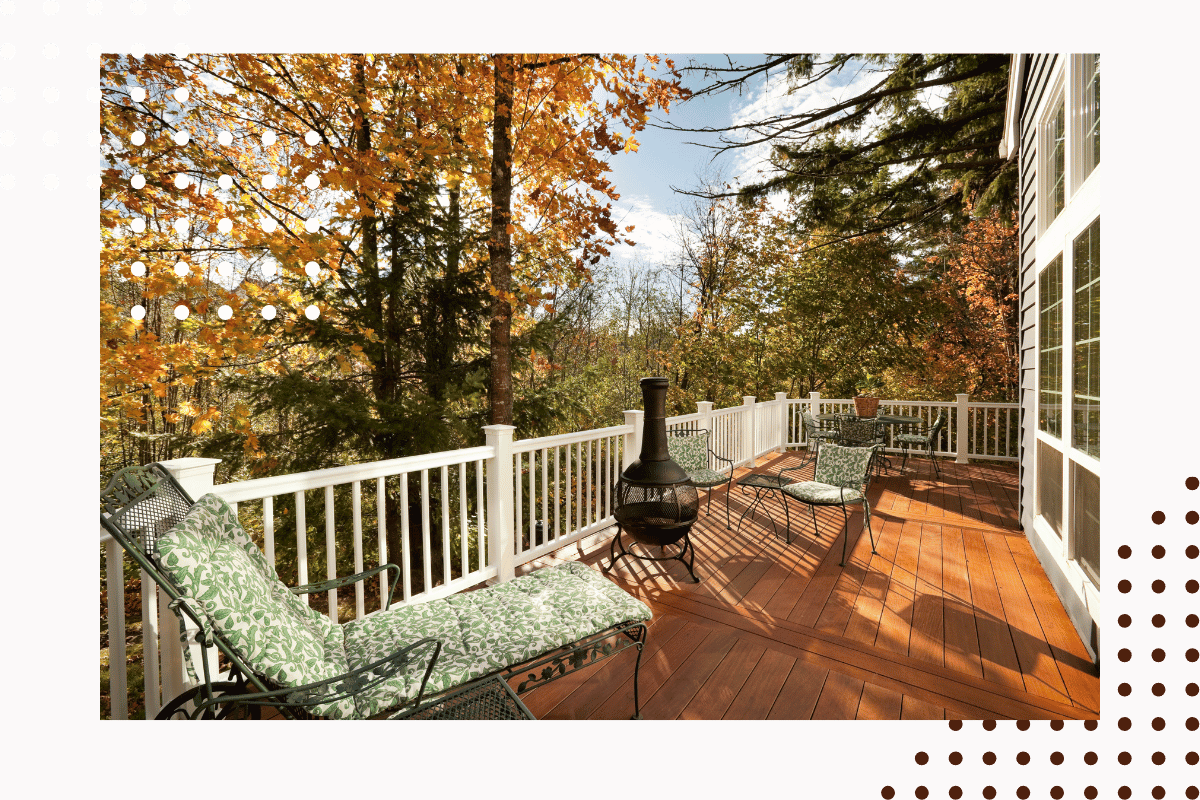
{"x": 845, "y": 535}
{"x": 728, "y": 489}
{"x": 936, "y": 471}
{"x": 867, "y": 517}
{"x": 904, "y": 446}
{"x": 816, "y": 530}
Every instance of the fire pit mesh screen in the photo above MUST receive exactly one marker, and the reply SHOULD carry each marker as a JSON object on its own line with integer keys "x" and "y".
{"x": 667, "y": 507}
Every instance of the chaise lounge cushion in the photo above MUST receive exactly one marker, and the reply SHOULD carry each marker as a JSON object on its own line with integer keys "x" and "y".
{"x": 490, "y": 629}
{"x": 212, "y": 560}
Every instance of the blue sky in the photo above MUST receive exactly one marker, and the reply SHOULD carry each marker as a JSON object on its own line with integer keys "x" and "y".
{"x": 665, "y": 158}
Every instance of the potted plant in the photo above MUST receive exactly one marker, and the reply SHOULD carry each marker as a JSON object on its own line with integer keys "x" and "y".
{"x": 866, "y": 404}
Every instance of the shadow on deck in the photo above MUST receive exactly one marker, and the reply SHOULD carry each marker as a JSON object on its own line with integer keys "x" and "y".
{"x": 952, "y": 618}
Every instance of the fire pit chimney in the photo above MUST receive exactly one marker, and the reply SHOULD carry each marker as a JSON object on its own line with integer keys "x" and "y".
{"x": 655, "y": 502}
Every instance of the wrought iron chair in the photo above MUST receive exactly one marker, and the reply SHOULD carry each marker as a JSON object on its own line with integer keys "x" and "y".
{"x": 284, "y": 654}
{"x": 840, "y": 478}
{"x": 924, "y": 441}
{"x": 815, "y": 434}
{"x": 689, "y": 449}
{"x": 855, "y": 432}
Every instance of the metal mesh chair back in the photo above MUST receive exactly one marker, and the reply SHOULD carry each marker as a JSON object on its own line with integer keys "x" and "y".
{"x": 859, "y": 431}
{"x": 937, "y": 426}
{"x": 143, "y": 503}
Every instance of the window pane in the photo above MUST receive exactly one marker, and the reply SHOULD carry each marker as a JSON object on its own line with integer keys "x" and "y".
{"x": 1091, "y": 114}
{"x": 1085, "y": 394}
{"x": 1085, "y": 513}
{"x": 1050, "y": 486}
{"x": 1050, "y": 340}
{"x": 1058, "y": 159}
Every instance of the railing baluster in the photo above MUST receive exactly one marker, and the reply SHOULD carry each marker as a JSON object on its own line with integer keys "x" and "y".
{"x": 330, "y": 553}
{"x": 518, "y": 501}
{"x": 360, "y": 588}
{"x": 405, "y": 548}
{"x": 268, "y": 513}
{"x": 464, "y": 538}
{"x": 150, "y": 644}
{"x": 445, "y": 525}
{"x": 481, "y": 545}
{"x": 557, "y": 492}
{"x": 118, "y": 691}
{"x": 532, "y": 461}
{"x": 546, "y": 532}
{"x": 301, "y": 544}
{"x": 426, "y": 541}
{"x": 381, "y": 535}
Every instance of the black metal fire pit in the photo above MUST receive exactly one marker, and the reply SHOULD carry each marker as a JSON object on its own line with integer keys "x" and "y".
{"x": 655, "y": 503}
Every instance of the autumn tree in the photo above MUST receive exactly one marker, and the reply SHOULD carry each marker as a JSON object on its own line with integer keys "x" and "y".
{"x": 972, "y": 342}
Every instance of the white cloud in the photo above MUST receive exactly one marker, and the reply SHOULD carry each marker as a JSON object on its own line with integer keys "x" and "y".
{"x": 653, "y": 232}
{"x": 774, "y": 98}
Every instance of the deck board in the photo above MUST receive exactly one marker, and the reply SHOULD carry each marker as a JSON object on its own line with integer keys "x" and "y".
{"x": 952, "y": 617}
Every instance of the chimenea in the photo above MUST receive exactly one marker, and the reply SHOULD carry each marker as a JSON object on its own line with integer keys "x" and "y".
{"x": 655, "y": 503}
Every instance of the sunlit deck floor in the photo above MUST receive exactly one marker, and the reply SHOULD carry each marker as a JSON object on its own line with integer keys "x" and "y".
{"x": 953, "y": 618}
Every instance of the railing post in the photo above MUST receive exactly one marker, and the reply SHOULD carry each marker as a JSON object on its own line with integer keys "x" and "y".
{"x": 195, "y": 475}
{"x": 705, "y": 408}
{"x": 963, "y": 426}
{"x": 500, "y": 523}
{"x": 632, "y": 445}
{"x": 814, "y": 403}
{"x": 782, "y": 416}
{"x": 748, "y": 428}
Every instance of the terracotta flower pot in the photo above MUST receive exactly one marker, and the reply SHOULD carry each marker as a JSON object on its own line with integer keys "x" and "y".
{"x": 866, "y": 406}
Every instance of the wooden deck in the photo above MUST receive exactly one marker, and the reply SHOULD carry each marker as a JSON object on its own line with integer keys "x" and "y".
{"x": 953, "y": 618}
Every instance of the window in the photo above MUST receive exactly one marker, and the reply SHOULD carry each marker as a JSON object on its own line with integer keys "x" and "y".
{"x": 1050, "y": 486}
{"x": 1090, "y": 117}
{"x": 1056, "y": 166}
{"x": 1085, "y": 384}
{"x": 1050, "y": 323}
{"x": 1066, "y": 456}
{"x": 1085, "y": 525}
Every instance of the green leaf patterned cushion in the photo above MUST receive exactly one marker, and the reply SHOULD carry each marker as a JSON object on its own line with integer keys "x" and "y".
{"x": 842, "y": 466}
{"x": 210, "y": 558}
{"x": 911, "y": 438}
{"x": 689, "y": 451}
{"x": 821, "y": 494}
{"x": 706, "y": 477}
{"x": 489, "y": 629}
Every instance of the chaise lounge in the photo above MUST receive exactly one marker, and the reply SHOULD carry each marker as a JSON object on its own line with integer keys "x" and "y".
{"x": 410, "y": 660}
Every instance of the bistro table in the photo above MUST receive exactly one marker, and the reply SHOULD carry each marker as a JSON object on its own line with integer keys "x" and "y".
{"x": 763, "y": 486}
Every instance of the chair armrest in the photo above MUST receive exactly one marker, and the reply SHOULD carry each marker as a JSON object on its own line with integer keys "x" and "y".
{"x": 345, "y": 685}
{"x": 728, "y": 461}
{"x": 337, "y": 583}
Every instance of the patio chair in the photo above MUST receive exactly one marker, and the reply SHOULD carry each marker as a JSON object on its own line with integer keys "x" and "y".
{"x": 840, "y": 478}
{"x": 689, "y": 449}
{"x": 284, "y": 654}
{"x": 815, "y": 434}
{"x": 854, "y": 432}
{"x": 923, "y": 440}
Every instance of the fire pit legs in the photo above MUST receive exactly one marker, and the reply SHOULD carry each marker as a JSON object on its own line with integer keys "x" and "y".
{"x": 687, "y": 549}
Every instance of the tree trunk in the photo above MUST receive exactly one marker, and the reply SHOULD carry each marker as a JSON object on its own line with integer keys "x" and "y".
{"x": 500, "y": 247}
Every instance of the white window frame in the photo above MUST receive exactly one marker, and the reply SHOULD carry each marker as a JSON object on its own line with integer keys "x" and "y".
{"x": 1057, "y": 236}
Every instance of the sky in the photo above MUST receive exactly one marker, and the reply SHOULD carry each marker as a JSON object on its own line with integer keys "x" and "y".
{"x": 667, "y": 158}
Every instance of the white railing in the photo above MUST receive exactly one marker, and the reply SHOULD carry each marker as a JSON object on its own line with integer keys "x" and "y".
{"x": 477, "y": 513}
{"x": 981, "y": 431}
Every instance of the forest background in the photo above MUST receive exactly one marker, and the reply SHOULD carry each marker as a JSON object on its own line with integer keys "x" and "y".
{"x": 309, "y": 261}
